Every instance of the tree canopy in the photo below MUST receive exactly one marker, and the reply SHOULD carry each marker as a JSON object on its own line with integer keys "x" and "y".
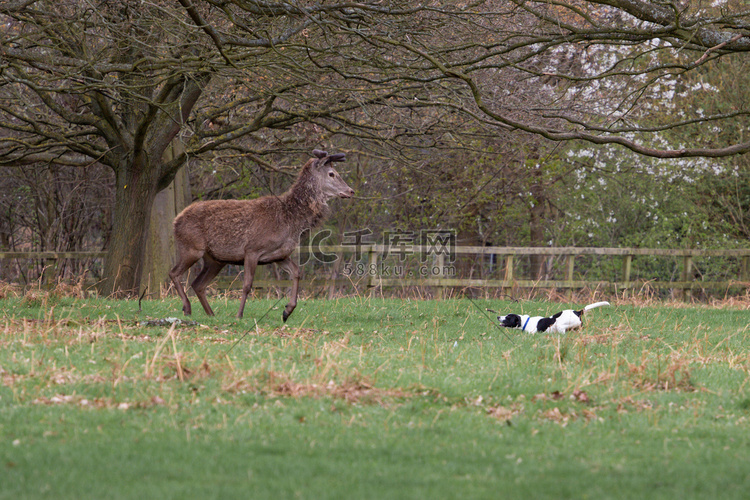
{"x": 433, "y": 84}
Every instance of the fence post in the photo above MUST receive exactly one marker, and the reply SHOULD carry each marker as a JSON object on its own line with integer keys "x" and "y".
{"x": 438, "y": 260}
{"x": 49, "y": 270}
{"x": 745, "y": 268}
{"x": 627, "y": 266}
{"x": 687, "y": 267}
{"x": 508, "y": 274}
{"x": 372, "y": 268}
{"x": 569, "y": 267}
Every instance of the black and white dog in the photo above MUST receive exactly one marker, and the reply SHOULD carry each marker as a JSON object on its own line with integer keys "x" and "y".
{"x": 559, "y": 323}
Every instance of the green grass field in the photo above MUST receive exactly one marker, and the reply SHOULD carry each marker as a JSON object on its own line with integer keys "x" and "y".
{"x": 370, "y": 398}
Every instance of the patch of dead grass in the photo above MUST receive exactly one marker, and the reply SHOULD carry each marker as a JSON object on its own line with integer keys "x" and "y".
{"x": 10, "y": 290}
{"x": 661, "y": 374}
{"x": 97, "y": 403}
{"x": 352, "y": 391}
{"x": 283, "y": 385}
{"x": 504, "y": 413}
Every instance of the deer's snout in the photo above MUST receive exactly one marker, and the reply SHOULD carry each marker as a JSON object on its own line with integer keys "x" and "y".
{"x": 347, "y": 193}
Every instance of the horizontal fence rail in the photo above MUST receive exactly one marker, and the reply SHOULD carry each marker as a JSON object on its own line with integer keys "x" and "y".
{"x": 381, "y": 266}
{"x": 52, "y": 255}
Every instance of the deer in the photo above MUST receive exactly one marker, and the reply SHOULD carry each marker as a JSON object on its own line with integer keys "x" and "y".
{"x": 255, "y": 232}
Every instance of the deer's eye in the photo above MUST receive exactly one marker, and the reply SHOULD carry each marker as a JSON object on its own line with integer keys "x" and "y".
{"x": 331, "y": 174}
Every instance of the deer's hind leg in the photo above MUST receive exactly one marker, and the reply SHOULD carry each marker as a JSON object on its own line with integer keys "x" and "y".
{"x": 185, "y": 259}
{"x": 251, "y": 263}
{"x": 211, "y": 268}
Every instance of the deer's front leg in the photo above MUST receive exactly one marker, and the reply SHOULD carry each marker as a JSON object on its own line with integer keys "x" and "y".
{"x": 292, "y": 268}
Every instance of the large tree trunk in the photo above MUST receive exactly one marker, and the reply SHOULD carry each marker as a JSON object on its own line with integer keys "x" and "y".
{"x": 160, "y": 249}
{"x": 134, "y": 196}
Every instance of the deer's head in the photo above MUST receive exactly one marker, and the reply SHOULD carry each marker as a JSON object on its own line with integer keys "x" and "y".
{"x": 329, "y": 180}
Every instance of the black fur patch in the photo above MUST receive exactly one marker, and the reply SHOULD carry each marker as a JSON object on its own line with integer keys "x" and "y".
{"x": 545, "y": 323}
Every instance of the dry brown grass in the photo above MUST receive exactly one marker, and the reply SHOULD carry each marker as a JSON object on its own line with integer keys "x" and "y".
{"x": 591, "y": 371}
{"x": 643, "y": 296}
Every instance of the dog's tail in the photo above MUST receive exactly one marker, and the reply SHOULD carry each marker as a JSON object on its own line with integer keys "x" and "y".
{"x": 595, "y": 304}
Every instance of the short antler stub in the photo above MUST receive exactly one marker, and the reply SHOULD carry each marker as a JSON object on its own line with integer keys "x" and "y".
{"x": 324, "y": 154}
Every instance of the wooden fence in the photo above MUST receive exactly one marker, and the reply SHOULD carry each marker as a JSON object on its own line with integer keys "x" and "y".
{"x": 439, "y": 274}
{"x": 382, "y": 267}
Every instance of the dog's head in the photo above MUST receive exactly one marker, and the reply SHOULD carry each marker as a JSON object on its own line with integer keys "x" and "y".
{"x": 510, "y": 321}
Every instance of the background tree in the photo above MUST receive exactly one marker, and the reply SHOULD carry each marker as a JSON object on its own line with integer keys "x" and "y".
{"x": 586, "y": 70}
{"x": 116, "y": 82}
{"x": 53, "y": 208}
{"x": 110, "y": 83}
